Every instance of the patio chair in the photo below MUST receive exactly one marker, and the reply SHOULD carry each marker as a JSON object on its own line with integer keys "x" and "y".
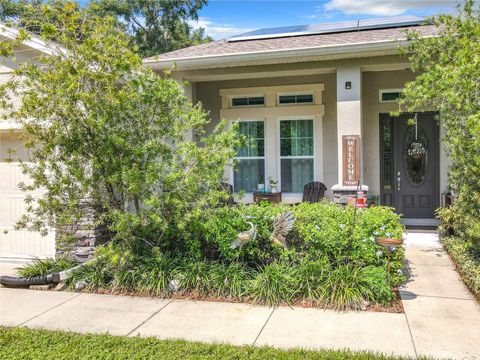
{"x": 314, "y": 192}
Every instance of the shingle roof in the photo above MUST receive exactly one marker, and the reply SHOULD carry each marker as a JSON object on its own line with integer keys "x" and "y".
{"x": 224, "y": 47}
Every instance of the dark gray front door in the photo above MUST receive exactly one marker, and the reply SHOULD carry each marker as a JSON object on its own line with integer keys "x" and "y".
{"x": 410, "y": 161}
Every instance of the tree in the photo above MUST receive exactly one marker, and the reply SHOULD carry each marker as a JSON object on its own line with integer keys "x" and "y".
{"x": 156, "y": 26}
{"x": 447, "y": 70}
{"x": 101, "y": 126}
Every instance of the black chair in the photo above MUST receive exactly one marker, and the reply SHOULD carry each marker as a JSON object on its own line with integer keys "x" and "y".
{"x": 314, "y": 192}
{"x": 229, "y": 190}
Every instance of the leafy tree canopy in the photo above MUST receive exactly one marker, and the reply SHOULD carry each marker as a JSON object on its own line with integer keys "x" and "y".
{"x": 448, "y": 80}
{"x": 155, "y": 26}
{"x": 100, "y": 126}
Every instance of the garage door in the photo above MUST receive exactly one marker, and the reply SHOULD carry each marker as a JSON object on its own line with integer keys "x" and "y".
{"x": 17, "y": 244}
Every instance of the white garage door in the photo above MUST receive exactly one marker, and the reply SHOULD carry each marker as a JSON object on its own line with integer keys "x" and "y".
{"x": 17, "y": 244}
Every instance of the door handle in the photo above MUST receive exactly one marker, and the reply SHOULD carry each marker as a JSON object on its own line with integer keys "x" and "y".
{"x": 399, "y": 178}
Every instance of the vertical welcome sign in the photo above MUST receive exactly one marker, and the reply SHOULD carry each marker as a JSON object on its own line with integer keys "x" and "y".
{"x": 351, "y": 159}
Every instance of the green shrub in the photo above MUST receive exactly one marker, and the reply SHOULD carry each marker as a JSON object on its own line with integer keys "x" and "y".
{"x": 346, "y": 287}
{"x": 330, "y": 260}
{"x": 45, "y": 266}
{"x": 273, "y": 284}
{"x": 466, "y": 256}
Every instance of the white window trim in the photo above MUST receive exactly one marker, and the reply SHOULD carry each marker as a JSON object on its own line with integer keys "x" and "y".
{"x": 279, "y": 157}
{"x": 231, "y": 106}
{"x": 264, "y": 157}
{"x": 296, "y": 93}
{"x": 383, "y": 91}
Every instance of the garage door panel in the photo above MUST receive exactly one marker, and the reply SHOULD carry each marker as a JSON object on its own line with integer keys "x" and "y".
{"x": 17, "y": 243}
{"x": 11, "y": 209}
{"x": 12, "y": 175}
{"x": 25, "y": 244}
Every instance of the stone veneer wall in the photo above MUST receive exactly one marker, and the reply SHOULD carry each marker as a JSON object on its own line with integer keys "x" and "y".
{"x": 85, "y": 236}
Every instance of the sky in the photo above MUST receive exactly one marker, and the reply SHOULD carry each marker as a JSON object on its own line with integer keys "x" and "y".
{"x": 225, "y": 18}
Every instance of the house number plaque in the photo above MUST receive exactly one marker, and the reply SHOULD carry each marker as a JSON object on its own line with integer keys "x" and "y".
{"x": 351, "y": 159}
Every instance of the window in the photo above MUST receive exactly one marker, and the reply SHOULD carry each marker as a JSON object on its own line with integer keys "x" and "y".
{"x": 390, "y": 95}
{"x": 250, "y": 168}
{"x": 295, "y": 99}
{"x": 296, "y": 154}
{"x": 248, "y": 101}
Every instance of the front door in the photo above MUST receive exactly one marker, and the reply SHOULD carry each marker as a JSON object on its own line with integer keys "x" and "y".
{"x": 410, "y": 164}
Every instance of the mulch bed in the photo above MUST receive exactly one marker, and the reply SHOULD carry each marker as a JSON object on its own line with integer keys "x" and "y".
{"x": 395, "y": 307}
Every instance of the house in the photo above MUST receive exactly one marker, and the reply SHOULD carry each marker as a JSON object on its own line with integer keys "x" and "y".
{"x": 17, "y": 244}
{"x": 314, "y": 103}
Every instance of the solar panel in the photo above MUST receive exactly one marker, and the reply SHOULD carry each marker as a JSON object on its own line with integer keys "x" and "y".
{"x": 326, "y": 28}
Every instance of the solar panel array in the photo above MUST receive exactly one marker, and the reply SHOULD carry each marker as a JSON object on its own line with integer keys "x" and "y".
{"x": 326, "y": 28}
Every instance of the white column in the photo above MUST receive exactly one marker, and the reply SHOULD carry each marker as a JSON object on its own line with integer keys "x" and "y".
{"x": 349, "y": 111}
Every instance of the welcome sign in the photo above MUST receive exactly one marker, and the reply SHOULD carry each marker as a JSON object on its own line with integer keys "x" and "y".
{"x": 351, "y": 159}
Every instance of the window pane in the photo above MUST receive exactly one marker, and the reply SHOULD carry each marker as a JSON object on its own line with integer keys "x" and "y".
{"x": 304, "y": 128}
{"x": 390, "y": 96}
{"x": 256, "y": 100}
{"x": 285, "y": 129}
{"x": 296, "y": 138}
{"x": 248, "y": 174}
{"x": 305, "y": 98}
{"x": 286, "y": 99}
{"x": 239, "y": 101}
{"x": 254, "y": 132}
{"x": 387, "y": 154}
{"x": 296, "y": 173}
{"x": 304, "y": 147}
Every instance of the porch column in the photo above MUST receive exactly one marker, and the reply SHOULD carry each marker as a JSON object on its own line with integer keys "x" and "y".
{"x": 349, "y": 131}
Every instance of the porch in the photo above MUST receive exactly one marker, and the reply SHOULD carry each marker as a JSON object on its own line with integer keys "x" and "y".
{"x": 297, "y": 118}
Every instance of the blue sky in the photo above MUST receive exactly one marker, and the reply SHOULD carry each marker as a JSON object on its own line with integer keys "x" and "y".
{"x": 224, "y": 18}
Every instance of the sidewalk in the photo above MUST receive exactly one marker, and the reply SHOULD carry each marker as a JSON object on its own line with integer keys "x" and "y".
{"x": 441, "y": 317}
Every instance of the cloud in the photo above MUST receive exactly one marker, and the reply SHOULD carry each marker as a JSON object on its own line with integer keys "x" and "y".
{"x": 383, "y": 7}
{"x": 218, "y": 31}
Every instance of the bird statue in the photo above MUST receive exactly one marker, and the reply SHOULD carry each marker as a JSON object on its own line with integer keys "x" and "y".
{"x": 244, "y": 237}
{"x": 282, "y": 225}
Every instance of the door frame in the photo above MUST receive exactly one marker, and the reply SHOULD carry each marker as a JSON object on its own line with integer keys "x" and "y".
{"x": 436, "y": 165}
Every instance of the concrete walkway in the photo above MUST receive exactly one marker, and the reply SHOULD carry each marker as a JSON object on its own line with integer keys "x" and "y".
{"x": 441, "y": 317}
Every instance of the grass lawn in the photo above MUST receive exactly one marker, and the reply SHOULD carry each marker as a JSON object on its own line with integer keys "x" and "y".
{"x": 23, "y": 343}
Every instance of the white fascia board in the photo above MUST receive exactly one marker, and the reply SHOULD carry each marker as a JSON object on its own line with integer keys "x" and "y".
{"x": 33, "y": 41}
{"x": 224, "y": 59}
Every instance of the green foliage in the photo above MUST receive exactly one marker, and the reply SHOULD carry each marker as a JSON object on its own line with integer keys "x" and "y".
{"x": 24, "y": 343}
{"x": 157, "y": 26}
{"x": 466, "y": 256}
{"x": 45, "y": 266}
{"x": 345, "y": 287}
{"x": 153, "y": 27}
{"x": 330, "y": 260}
{"x": 274, "y": 284}
{"x": 99, "y": 126}
{"x": 448, "y": 80}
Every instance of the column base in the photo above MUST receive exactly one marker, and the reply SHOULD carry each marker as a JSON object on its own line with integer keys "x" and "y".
{"x": 346, "y": 194}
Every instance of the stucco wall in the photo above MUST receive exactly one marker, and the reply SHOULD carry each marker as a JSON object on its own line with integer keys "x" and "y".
{"x": 208, "y": 94}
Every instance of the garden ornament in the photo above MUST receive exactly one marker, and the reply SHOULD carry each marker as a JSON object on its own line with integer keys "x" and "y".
{"x": 244, "y": 237}
{"x": 282, "y": 225}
